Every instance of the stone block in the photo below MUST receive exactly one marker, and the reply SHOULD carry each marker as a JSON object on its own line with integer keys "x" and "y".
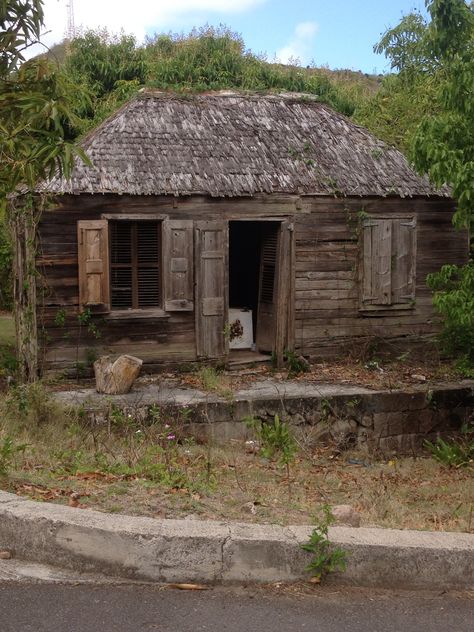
{"x": 417, "y": 401}
{"x": 381, "y": 424}
{"x": 389, "y": 445}
{"x": 428, "y": 420}
{"x": 403, "y": 423}
{"x": 366, "y": 420}
{"x": 410, "y": 444}
{"x": 385, "y": 402}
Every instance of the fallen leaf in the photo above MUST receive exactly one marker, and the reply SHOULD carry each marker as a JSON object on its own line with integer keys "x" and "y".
{"x": 189, "y": 586}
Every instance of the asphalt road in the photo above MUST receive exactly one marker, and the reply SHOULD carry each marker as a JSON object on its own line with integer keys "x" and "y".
{"x": 126, "y": 608}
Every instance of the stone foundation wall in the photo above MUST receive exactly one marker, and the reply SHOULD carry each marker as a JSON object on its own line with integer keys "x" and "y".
{"x": 386, "y": 422}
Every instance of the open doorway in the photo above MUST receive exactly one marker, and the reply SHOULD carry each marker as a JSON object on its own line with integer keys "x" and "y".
{"x": 253, "y": 258}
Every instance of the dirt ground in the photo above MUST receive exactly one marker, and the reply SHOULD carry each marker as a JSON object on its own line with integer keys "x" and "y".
{"x": 228, "y": 483}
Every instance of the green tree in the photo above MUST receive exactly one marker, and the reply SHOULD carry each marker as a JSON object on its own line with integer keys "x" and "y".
{"x": 439, "y": 56}
{"x": 443, "y": 145}
{"x": 440, "y": 53}
{"x": 37, "y": 104}
{"x": 407, "y": 95}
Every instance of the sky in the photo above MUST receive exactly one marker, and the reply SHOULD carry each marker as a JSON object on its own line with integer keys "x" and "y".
{"x": 334, "y": 33}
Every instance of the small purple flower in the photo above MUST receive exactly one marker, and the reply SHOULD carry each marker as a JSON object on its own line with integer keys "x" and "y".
{"x": 170, "y": 437}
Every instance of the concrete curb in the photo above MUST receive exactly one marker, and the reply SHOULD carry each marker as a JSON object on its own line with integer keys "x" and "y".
{"x": 217, "y": 552}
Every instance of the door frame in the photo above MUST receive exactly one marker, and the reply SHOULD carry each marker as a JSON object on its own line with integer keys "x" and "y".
{"x": 284, "y": 333}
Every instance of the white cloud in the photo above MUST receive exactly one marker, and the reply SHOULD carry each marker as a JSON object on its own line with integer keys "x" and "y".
{"x": 133, "y": 17}
{"x": 301, "y": 44}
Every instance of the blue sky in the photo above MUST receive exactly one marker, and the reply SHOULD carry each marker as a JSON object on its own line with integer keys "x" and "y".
{"x": 337, "y": 33}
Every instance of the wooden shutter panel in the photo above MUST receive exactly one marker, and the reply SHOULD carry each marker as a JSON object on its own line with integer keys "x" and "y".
{"x": 93, "y": 262}
{"x": 178, "y": 265}
{"x": 211, "y": 288}
{"x": 377, "y": 262}
{"x": 403, "y": 260}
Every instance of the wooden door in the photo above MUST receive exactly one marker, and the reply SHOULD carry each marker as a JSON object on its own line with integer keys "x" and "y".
{"x": 275, "y": 302}
{"x": 211, "y": 248}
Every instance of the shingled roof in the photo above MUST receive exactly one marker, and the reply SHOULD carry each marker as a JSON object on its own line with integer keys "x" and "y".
{"x": 233, "y": 144}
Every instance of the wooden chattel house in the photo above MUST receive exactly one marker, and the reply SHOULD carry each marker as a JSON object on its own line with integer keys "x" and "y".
{"x": 274, "y": 208}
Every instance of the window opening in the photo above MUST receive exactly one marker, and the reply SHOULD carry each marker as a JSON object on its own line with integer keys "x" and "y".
{"x": 135, "y": 265}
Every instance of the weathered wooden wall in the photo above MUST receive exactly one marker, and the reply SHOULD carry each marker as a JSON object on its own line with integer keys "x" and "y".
{"x": 328, "y": 319}
{"x": 326, "y": 268}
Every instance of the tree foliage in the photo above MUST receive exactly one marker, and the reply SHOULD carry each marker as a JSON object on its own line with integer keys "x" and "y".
{"x": 435, "y": 64}
{"x": 101, "y": 61}
{"x": 37, "y": 104}
{"x": 37, "y": 120}
{"x": 407, "y": 95}
{"x": 20, "y": 26}
{"x": 443, "y": 145}
{"x": 453, "y": 290}
{"x": 113, "y": 68}
{"x": 439, "y": 54}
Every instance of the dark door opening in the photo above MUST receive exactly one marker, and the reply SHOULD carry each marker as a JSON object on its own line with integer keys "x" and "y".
{"x": 253, "y": 254}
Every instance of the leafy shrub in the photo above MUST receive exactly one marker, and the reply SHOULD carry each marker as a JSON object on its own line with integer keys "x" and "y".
{"x": 453, "y": 298}
{"x": 457, "y": 452}
{"x": 276, "y": 439}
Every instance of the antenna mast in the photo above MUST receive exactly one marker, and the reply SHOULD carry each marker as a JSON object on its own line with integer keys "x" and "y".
{"x": 71, "y": 27}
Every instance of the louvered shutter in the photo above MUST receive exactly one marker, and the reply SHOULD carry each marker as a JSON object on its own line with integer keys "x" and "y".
{"x": 93, "y": 263}
{"x": 178, "y": 262}
{"x": 403, "y": 261}
{"x": 136, "y": 266}
{"x": 377, "y": 262}
{"x": 268, "y": 264}
{"x": 265, "y": 339}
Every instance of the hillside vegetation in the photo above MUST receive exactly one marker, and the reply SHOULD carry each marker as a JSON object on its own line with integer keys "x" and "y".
{"x": 113, "y": 68}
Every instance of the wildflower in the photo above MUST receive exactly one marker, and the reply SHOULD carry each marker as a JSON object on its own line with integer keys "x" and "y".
{"x": 170, "y": 437}
{"x": 167, "y": 425}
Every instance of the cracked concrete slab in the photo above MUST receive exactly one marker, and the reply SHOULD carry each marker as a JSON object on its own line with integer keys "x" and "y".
{"x": 138, "y": 548}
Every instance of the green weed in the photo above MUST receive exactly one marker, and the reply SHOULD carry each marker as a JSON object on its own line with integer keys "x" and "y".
{"x": 326, "y": 558}
{"x": 8, "y": 450}
{"x": 457, "y": 452}
{"x": 276, "y": 442}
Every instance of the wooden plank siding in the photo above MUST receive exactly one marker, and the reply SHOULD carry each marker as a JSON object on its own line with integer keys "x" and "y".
{"x": 328, "y": 260}
{"x": 325, "y": 285}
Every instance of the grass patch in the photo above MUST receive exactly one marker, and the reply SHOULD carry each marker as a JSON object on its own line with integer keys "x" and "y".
{"x": 7, "y": 330}
{"x": 8, "y": 362}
